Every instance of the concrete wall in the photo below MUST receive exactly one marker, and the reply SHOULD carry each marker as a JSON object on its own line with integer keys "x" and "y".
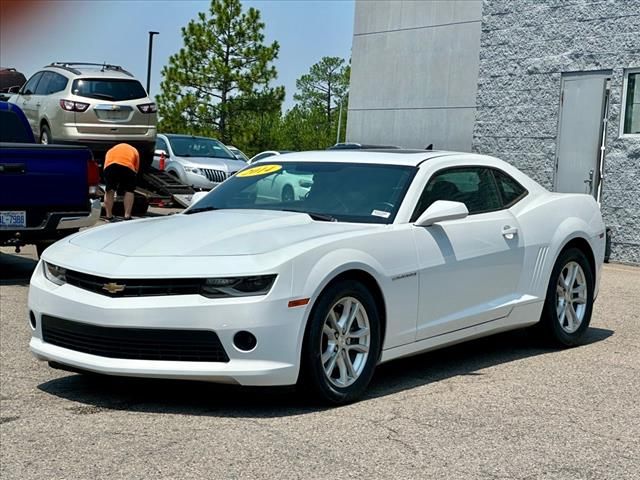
{"x": 525, "y": 47}
{"x": 414, "y": 73}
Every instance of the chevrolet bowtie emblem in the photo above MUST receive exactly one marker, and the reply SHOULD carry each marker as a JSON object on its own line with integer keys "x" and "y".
{"x": 113, "y": 287}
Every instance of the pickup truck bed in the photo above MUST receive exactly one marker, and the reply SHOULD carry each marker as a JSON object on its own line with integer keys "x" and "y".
{"x": 44, "y": 189}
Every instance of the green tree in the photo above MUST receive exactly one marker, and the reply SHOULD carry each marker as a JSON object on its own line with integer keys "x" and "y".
{"x": 220, "y": 76}
{"x": 324, "y": 87}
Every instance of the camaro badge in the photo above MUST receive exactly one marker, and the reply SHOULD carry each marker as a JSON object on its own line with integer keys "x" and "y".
{"x": 113, "y": 287}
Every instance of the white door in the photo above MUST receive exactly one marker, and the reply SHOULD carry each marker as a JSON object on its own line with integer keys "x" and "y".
{"x": 580, "y": 132}
{"x": 469, "y": 269}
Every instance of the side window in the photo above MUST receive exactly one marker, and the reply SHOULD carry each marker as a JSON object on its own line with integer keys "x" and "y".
{"x": 57, "y": 83}
{"x": 30, "y": 87}
{"x": 510, "y": 190}
{"x": 161, "y": 145}
{"x": 43, "y": 84}
{"x": 473, "y": 186}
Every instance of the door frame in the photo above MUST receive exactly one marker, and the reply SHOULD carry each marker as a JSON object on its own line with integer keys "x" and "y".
{"x": 604, "y": 115}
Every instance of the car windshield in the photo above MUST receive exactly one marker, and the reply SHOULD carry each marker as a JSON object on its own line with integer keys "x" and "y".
{"x": 199, "y": 147}
{"x": 114, "y": 90}
{"x": 345, "y": 192}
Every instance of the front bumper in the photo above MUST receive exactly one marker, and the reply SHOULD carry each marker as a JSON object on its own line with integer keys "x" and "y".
{"x": 278, "y": 329}
{"x": 200, "y": 181}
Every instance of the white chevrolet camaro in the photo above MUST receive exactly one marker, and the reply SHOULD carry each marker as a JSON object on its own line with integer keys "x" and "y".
{"x": 388, "y": 255}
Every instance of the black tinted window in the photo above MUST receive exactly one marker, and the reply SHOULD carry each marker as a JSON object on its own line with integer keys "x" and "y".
{"x": 57, "y": 83}
{"x": 30, "y": 87}
{"x": 113, "y": 90}
{"x": 510, "y": 190}
{"x": 12, "y": 129}
{"x": 43, "y": 84}
{"x": 161, "y": 145}
{"x": 473, "y": 186}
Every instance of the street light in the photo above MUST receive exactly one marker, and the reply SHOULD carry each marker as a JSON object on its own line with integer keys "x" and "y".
{"x": 151, "y": 34}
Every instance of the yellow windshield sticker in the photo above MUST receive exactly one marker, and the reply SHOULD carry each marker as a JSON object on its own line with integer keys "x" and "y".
{"x": 260, "y": 170}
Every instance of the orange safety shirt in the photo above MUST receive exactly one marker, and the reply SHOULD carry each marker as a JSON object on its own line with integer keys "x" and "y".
{"x": 125, "y": 155}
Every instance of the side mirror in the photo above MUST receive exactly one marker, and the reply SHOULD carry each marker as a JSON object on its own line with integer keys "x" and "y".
{"x": 160, "y": 152}
{"x": 442, "y": 210}
{"x": 25, "y": 92}
{"x": 197, "y": 197}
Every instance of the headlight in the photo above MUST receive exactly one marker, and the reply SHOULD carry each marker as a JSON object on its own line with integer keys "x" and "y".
{"x": 193, "y": 170}
{"x": 55, "y": 274}
{"x": 237, "y": 286}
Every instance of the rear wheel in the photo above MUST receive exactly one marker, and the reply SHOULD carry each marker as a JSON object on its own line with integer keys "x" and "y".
{"x": 287, "y": 194}
{"x": 342, "y": 344}
{"x": 45, "y": 135}
{"x": 569, "y": 302}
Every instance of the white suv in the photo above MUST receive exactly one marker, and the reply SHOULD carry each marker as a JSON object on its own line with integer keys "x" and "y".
{"x": 89, "y": 104}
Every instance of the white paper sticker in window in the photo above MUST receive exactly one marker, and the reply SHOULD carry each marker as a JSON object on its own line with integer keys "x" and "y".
{"x": 380, "y": 213}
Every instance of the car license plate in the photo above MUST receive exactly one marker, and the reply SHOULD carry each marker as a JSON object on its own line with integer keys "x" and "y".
{"x": 13, "y": 219}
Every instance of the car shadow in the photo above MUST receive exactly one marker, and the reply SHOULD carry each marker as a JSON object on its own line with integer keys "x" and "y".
{"x": 96, "y": 393}
{"x": 15, "y": 269}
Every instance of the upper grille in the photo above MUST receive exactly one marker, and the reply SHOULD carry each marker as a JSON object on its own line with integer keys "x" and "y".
{"x": 135, "y": 287}
{"x": 134, "y": 343}
{"x": 217, "y": 176}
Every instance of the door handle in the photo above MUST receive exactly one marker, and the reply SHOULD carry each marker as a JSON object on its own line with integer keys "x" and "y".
{"x": 509, "y": 232}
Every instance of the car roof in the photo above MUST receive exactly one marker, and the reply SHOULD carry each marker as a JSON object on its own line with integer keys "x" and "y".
{"x": 411, "y": 158}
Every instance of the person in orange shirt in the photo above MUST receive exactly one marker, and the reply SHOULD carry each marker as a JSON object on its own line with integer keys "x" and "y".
{"x": 121, "y": 166}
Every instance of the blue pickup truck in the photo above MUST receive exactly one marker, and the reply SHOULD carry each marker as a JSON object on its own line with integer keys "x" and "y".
{"x": 46, "y": 191}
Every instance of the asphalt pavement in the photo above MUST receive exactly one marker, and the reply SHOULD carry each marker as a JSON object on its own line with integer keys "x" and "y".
{"x": 500, "y": 407}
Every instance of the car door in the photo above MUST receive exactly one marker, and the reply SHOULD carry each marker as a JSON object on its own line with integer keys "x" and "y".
{"x": 27, "y": 100}
{"x": 469, "y": 268}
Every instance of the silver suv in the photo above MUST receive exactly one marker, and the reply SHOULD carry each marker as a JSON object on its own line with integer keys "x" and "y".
{"x": 89, "y": 104}
{"x": 200, "y": 162}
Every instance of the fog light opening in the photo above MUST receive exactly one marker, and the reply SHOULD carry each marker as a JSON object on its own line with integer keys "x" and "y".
{"x": 245, "y": 341}
{"x": 32, "y": 320}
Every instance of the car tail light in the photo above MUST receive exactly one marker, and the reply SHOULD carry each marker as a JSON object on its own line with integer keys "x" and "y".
{"x": 148, "y": 108}
{"x": 71, "y": 106}
{"x": 93, "y": 177}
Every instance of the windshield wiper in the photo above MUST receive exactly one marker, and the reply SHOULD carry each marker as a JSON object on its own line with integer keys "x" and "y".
{"x": 200, "y": 209}
{"x": 322, "y": 217}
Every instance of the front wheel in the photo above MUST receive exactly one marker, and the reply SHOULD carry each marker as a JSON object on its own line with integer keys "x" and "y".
{"x": 342, "y": 344}
{"x": 569, "y": 301}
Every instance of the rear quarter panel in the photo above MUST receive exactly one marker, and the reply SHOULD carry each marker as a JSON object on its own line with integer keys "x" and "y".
{"x": 549, "y": 221}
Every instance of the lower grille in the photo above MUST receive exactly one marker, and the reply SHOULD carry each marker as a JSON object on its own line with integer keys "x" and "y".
{"x": 134, "y": 343}
{"x": 217, "y": 176}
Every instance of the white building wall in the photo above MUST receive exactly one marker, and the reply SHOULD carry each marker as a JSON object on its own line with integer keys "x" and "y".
{"x": 414, "y": 73}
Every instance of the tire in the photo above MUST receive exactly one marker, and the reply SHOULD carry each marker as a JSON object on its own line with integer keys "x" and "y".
{"x": 287, "y": 194}
{"x": 322, "y": 354}
{"x": 567, "y": 312}
{"x": 45, "y": 135}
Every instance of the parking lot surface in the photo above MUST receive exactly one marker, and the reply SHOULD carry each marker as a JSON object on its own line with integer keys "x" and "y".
{"x": 501, "y": 407}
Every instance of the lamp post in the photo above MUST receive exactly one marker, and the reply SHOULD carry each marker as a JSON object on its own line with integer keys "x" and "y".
{"x": 151, "y": 34}
{"x": 339, "y": 121}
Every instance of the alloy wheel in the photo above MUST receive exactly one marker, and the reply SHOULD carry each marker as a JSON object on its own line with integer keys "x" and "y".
{"x": 345, "y": 342}
{"x": 571, "y": 297}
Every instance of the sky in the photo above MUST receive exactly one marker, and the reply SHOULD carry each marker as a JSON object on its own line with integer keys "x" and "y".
{"x": 34, "y": 33}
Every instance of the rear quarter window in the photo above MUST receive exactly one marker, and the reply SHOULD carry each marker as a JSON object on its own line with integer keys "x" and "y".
{"x": 113, "y": 90}
{"x": 510, "y": 190}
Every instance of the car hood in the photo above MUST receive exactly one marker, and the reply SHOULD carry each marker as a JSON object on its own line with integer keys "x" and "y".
{"x": 216, "y": 233}
{"x": 225, "y": 164}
